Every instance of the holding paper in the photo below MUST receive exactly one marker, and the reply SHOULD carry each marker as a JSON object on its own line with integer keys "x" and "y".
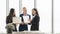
{"x": 26, "y": 19}
{"x": 17, "y": 20}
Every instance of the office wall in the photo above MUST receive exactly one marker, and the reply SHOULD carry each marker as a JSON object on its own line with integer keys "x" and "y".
{"x": 29, "y": 4}
{"x": 14, "y": 4}
{"x": 56, "y": 16}
{"x": 2, "y": 16}
{"x": 45, "y": 11}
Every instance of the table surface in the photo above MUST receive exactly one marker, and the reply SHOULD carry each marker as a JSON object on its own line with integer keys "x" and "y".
{"x": 30, "y": 32}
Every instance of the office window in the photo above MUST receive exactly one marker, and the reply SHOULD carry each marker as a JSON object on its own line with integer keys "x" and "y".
{"x": 45, "y": 12}
{"x": 56, "y": 16}
{"x": 2, "y": 16}
{"x": 29, "y": 4}
{"x": 14, "y": 4}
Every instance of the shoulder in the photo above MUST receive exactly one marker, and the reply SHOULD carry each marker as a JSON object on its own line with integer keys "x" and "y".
{"x": 37, "y": 16}
{"x": 8, "y": 17}
{"x": 21, "y": 15}
{"x": 28, "y": 15}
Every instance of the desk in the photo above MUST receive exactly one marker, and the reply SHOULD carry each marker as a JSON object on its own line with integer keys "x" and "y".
{"x": 28, "y": 32}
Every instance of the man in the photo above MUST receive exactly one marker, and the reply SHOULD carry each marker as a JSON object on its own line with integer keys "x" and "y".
{"x": 24, "y": 26}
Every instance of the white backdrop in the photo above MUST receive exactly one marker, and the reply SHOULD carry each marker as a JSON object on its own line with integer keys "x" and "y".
{"x": 44, "y": 8}
{"x": 14, "y": 4}
{"x": 56, "y": 16}
{"x": 45, "y": 12}
{"x": 2, "y": 15}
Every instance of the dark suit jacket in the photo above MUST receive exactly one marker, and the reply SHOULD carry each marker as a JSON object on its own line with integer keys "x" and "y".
{"x": 35, "y": 23}
{"x": 9, "y": 20}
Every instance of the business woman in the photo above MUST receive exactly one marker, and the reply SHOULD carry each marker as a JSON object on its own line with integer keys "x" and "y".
{"x": 35, "y": 20}
{"x": 9, "y": 19}
{"x": 24, "y": 26}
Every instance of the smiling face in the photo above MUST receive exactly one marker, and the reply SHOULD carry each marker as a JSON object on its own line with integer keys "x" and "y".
{"x": 33, "y": 12}
{"x": 24, "y": 10}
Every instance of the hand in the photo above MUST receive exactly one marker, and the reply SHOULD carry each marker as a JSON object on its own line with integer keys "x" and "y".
{"x": 29, "y": 20}
{"x": 22, "y": 23}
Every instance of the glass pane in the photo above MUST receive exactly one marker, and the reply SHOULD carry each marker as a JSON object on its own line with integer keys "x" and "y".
{"x": 14, "y": 4}
{"x": 56, "y": 16}
{"x": 29, "y": 4}
{"x": 45, "y": 12}
{"x": 2, "y": 16}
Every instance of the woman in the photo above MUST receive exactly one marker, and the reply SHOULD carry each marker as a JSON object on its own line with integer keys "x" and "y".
{"x": 9, "y": 18}
{"x": 35, "y": 20}
{"x": 24, "y": 26}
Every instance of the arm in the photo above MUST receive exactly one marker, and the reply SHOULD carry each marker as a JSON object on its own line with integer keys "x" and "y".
{"x": 6, "y": 20}
{"x": 37, "y": 20}
{"x": 21, "y": 15}
{"x": 29, "y": 19}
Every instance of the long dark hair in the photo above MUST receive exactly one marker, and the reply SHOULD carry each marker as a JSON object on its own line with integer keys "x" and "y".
{"x": 12, "y": 10}
{"x": 36, "y": 11}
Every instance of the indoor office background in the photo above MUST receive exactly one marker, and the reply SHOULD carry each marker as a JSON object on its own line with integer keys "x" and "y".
{"x": 44, "y": 8}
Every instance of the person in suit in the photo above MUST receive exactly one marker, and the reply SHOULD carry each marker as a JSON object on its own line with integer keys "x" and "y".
{"x": 35, "y": 20}
{"x": 24, "y": 26}
{"x": 10, "y": 17}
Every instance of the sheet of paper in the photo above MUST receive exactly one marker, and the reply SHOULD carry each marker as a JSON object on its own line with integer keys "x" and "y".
{"x": 16, "y": 19}
{"x": 26, "y": 18}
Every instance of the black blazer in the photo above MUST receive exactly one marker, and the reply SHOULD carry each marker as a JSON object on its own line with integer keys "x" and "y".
{"x": 9, "y": 20}
{"x": 35, "y": 23}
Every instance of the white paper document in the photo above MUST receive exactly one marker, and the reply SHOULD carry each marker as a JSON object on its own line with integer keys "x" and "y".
{"x": 16, "y": 19}
{"x": 26, "y": 19}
